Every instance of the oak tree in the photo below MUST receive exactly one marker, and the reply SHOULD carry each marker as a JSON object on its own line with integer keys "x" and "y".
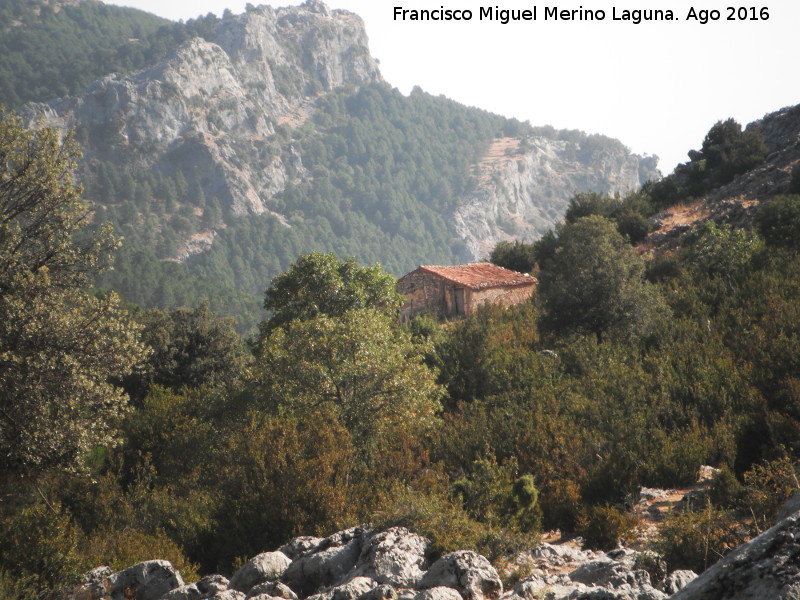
{"x": 358, "y": 364}
{"x": 320, "y": 284}
{"x": 594, "y": 283}
{"x": 60, "y": 346}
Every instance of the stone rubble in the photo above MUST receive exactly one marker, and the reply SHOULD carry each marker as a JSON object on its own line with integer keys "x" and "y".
{"x": 392, "y": 564}
{"x": 563, "y": 572}
{"x": 469, "y": 573}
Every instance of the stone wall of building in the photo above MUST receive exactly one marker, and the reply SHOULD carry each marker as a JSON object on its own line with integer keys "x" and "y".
{"x": 425, "y": 292}
{"x": 505, "y": 296}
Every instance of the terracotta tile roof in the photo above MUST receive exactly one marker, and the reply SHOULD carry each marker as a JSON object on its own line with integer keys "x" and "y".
{"x": 478, "y": 276}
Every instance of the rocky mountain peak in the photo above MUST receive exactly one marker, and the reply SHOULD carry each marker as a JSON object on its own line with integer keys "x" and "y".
{"x": 781, "y": 128}
{"x": 212, "y": 105}
{"x": 298, "y": 50}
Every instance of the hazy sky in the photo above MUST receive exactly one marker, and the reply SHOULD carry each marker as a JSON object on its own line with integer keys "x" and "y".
{"x": 656, "y": 86}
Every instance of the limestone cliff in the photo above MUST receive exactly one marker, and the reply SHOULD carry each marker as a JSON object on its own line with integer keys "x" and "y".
{"x": 213, "y": 106}
{"x": 525, "y": 186}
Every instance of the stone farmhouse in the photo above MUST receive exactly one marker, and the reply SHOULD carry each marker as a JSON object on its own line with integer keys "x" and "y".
{"x": 457, "y": 291}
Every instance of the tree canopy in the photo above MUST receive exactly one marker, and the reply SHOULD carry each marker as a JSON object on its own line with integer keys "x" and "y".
{"x": 320, "y": 284}
{"x": 778, "y": 220}
{"x": 728, "y": 150}
{"x": 356, "y": 362}
{"x": 595, "y": 283}
{"x": 48, "y": 53}
{"x": 189, "y": 348}
{"x": 59, "y": 346}
{"x": 516, "y": 255}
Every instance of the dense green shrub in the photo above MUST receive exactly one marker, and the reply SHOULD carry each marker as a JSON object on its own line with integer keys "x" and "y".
{"x": 654, "y": 564}
{"x": 767, "y": 486}
{"x": 630, "y": 213}
{"x": 778, "y": 221}
{"x": 188, "y": 348}
{"x": 303, "y": 469}
{"x": 495, "y": 494}
{"x": 726, "y": 490}
{"x": 633, "y": 225}
{"x": 40, "y": 549}
{"x": 729, "y": 151}
{"x": 595, "y": 284}
{"x": 517, "y": 256}
{"x": 121, "y": 548}
{"x": 604, "y": 527}
{"x": 425, "y": 507}
{"x": 794, "y": 182}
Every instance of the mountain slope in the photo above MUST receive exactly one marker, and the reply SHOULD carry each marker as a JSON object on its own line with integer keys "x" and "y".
{"x": 51, "y": 48}
{"x": 274, "y": 134}
{"x": 735, "y": 202}
{"x": 523, "y": 182}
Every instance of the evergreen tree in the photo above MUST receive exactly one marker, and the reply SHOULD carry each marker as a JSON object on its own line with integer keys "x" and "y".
{"x": 517, "y": 256}
{"x": 60, "y": 348}
{"x": 320, "y": 284}
{"x": 594, "y": 283}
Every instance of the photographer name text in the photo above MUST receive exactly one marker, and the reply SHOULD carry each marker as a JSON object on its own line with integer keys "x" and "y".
{"x": 635, "y": 16}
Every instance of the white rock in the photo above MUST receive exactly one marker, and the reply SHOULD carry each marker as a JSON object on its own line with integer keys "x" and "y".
{"x": 466, "y": 571}
{"x": 148, "y": 580}
{"x": 677, "y": 580}
{"x": 767, "y": 567}
{"x": 395, "y": 556}
{"x": 439, "y": 593}
{"x": 328, "y": 564}
{"x": 268, "y": 566}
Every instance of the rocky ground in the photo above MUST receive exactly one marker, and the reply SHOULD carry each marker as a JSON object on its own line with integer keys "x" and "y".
{"x": 364, "y": 564}
{"x": 367, "y": 564}
{"x": 736, "y": 202}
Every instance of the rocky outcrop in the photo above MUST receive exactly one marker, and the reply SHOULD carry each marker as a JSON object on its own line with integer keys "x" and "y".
{"x": 438, "y": 593}
{"x": 525, "y": 186}
{"x": 217, "y": 106}
{"x": 212, "y": 585}
{"x": 735, "y": 203}
{"x": 148, "y": 580}
{"x": 220, "y": 111}
{"x": 766, "y": 567}
{"x": 334, "y": 568}
{"x": 468, "y": 572}
{"x": 355, "y": 564}
{"x": 212, "y": 106}
{"x": 266, "y": 567}
{"x": 396, "y": 557}
{"x": 351, "y": 564}
{"x": 273, "y": 589}
{"x": 677, "y": 580}
{"x": 328, "y": 563}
